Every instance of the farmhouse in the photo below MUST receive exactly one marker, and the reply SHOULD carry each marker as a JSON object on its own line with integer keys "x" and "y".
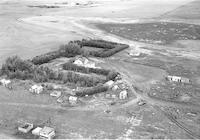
{"x": 47, "y": 133}
{"x": 81, "y": 61}
{"x": 36, "y": 89}
{"x": 178, "y": 79}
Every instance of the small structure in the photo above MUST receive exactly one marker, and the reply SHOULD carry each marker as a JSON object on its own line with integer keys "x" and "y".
{"x": 25, "y": 128}
{"x": 178, "y": 79}
{"x": 47, "y": 133}
{"x": 73, "y": 100}
{"x": 141, "y": 102}
{"x": 115, "y": 87}
{"x": 123, "y": 95}
{"x": 113, "y": 96}
{"x": 63, "y": 99}
{"x": 5, "y": 82}
{"x": 109, "y": 84}
{"x": 36, "y": 131}
{"x": 60, "y": 100}
{"x": 81, "y": 61}
{"x": 56, "y": 94}
{"x": 36, "y": 89}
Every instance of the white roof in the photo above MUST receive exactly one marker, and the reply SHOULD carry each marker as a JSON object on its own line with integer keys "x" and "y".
{"x": 123, "y": 92}
{"x": 109, "y": 83}
{"x": 46, "y": 131}
{"x": 73, "y": 98}
{"x": 36, "y": 87}
{"x": 5, "y": 81}
{"x": 36, "y": 131}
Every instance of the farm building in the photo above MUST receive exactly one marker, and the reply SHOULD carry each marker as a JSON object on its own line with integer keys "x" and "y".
{"x": 56, "y": 94}
{"x": 25, "y": 128}
{"x": 178, "y": 79}
{"x": 81, "y": 61}
{"x": 109, "y": 84}
{"x": 5, "y": 82}
{"x": 47, "y": 133}
{"x": 115, "y": 87}
{"x": 73, "y": 99}
{"x": 36, "y": 131}
{"x": 123, "y": 95}
{"x": 36, "y": 89}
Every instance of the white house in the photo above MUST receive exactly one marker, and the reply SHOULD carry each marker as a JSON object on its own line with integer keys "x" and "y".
{"x": 36, "y": 89}
{"x": 25, "y": 128}
{"x": 84, "y": 62}
{"x": 56, "y": 94}
{"x": 47, "y": 133}
{"x": 73, "y": 99}
{"x": 5, "y": 82}
{"x": 123, "y": 95}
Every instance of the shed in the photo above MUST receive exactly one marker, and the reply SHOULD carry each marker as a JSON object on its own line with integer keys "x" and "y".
{"x": 178, "y": 79}
{"x": 56, "y": 94}
{"x": 174, "y": 78}
{"x": 36, "y": 89}
{"x": 185, "y": 80}
{"x": 78, "y": 62}
{"x": 47, "y": 133}
{"x": 36, "y": 131}
{"x": 5, "y": 82}
{"x": 73, "y": 99}
{"x": 109, "y": 84}
{"x": 25, "y": 128}
{"x": 123, "y": 95}
{"x": 115, "y": 87}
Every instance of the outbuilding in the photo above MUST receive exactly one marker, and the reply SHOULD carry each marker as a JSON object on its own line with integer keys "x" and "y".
{"x": 36, "y": 89}
{"x": 25, "y": 128}
{"x": 47, "y": 133}
{"x": 5, "y": 82}
{"x": 123, "y": 95}
{"x": 56, "y": 94}
{"x": 178, "y": 79}
{"x": 109, "y": 84}
{"x": 36, "y": 131}
{"x": 73, "y": 100}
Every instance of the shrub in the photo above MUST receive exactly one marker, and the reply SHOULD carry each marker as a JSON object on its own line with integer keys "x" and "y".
{"x": 68, "y": 50}
{"x": 91, "y": 91}
{"x": 81, "y": 80}
{"x": 74, "y": 67}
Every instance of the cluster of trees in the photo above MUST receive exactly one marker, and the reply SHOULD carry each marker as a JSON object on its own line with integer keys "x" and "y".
{"x": 15, "y": 67}
{"x": 110, "y": 75}
{"x": 109, "y": 52}
{"x": 80, "y": 80}
{"x": 68, "y": 50}
{"x": 74, "y": 67}
{"x": 109, "y": 48}
{"x": 92, "y": 91}
{"x": 74, "y": 48}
